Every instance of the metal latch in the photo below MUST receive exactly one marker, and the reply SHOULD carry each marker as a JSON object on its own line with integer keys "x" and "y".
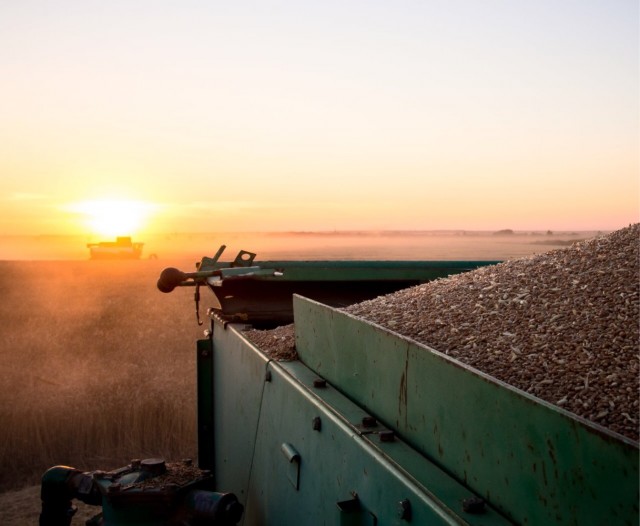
{"x": 293, "y": 471}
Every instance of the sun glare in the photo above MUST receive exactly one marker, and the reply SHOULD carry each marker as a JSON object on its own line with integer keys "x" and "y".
{"x": 113, "y": 217}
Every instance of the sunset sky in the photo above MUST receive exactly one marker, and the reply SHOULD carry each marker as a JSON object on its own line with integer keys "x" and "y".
{"x": 198, "y": 116}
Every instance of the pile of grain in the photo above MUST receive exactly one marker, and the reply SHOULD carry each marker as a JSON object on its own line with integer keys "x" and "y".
{"x": 178, "y": 473}
{"x": 278, "y": 344}
{"x": 562, "y": 325}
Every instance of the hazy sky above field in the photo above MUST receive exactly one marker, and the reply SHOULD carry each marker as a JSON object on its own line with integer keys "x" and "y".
{"x": 307, "y": 115}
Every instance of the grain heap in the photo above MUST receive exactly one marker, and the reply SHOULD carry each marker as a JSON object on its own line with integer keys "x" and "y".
{"x": 178, "y": 473}
{"x": 278, "y": 344}
{"x": 563, "y": 326}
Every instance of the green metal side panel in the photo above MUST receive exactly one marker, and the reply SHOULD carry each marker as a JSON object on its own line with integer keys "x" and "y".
{"x": 239, "y": 378}
{"x": 300, "y": 474}
{"x": 295, "y": 453}
{"x": 204, "y": 364}
{"x": 366, "y": 270}
{"x": 363, "y": 270}
{"x": 536, "y": 462}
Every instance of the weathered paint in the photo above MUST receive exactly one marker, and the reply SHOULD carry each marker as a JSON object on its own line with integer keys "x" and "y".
{"x": 536, "y": 462}
{"x": 288, "y": 470}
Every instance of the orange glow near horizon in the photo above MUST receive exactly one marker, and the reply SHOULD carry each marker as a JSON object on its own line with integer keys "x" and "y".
{"x": 113, "y": 217}
{"x": 321, "y": 117}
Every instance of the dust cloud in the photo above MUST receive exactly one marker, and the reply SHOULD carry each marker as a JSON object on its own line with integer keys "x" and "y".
{"x": 95, "y": 366}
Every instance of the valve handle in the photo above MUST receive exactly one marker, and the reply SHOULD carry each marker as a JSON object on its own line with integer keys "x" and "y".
{"x": 170, "y": 278}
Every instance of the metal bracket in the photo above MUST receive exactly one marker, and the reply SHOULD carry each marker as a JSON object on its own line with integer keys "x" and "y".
{"x": 352, "y": 513}
{"x": 243, "y": 259}
{"x": 210, "y": 263}
{"x": 292, "y": 455}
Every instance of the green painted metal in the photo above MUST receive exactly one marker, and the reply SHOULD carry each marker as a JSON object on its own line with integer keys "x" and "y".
{"x": 351, "y": 449}
{"x": 342, "y": 270}
{"x": 205, "y": 409}
{"x": 137, "y": 495}
{"x": 294, "y": 451}
{"x": 536, "y": 462}
{"x": 357, "y": 270}
{"x": 239, "y": 381}
{"x": 263, "y": 294}
{"x": 135, "y": 509}
{"x": 187, "y": 504}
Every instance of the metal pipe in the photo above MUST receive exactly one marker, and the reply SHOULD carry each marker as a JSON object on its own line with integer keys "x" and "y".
{"x": 61, "y": 484}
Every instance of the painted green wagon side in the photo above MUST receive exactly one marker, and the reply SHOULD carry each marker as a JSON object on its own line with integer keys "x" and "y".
{"x": 366, "y": 427}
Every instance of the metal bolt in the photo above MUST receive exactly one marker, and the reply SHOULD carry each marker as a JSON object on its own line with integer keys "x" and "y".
{"x": 404, "y": 510}
{"x": 316, "y": 424}
{"x": 369, "y": 421}
{"x": 387, "y": 436}
{"x": 473, "y": 505}
{"x": 155, "y": 466}
{"x": 320, "y": 382}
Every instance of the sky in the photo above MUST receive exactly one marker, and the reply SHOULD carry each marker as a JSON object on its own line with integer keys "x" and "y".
{"x": 196, "y": 116}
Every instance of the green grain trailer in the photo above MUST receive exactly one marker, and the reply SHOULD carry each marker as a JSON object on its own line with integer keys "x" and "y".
{"x": 367, "y": 427}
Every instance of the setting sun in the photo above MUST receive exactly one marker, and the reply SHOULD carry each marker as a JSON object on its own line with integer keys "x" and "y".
{"x": 113, "y": 217}
{"x": 331, "y": 116}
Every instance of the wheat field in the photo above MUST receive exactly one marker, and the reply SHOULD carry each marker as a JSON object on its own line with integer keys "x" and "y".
{"x": 96, "y": 367}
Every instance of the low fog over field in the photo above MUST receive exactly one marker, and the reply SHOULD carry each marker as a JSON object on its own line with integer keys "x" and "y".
{"x": 427, "y": 245}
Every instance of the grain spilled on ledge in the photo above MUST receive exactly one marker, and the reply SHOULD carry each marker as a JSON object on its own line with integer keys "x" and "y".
{"x": 278, "y": 344}
{"x": 563, "y": 325}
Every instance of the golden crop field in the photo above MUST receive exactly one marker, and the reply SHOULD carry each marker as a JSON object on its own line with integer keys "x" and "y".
{"x": 96, "y": 367}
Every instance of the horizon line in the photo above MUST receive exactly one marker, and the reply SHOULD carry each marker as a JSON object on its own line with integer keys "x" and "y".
{"x": 504, "y": 231}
